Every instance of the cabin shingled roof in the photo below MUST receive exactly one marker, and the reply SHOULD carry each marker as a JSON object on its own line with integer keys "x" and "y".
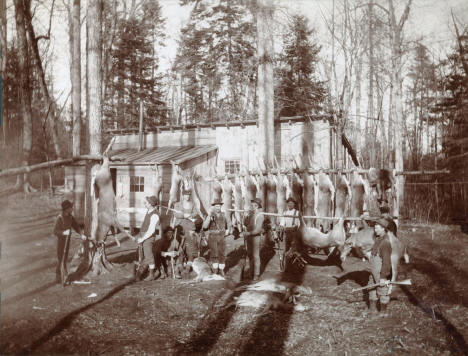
{"x": 159, "y": 155}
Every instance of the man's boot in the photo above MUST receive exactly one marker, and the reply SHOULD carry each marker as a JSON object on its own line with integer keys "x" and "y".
{"x": 221, "y": 269}
{"x": 177, "y": 272}
{"x": 151, "y": 275}
{"x": 372, "y": 307}
{"x": 383, "y": 309}
{"x": 140, "y": 272}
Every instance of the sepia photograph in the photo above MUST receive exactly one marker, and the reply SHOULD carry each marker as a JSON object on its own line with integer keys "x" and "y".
{"x": 233, "y": 177}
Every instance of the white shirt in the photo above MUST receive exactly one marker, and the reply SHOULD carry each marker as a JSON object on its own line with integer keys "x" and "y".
{"x": 154, "y": 221}
{"x": 289, "y": 222}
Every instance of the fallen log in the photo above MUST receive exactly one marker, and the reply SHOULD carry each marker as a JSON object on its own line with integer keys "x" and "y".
{"x": 50, "y": 164}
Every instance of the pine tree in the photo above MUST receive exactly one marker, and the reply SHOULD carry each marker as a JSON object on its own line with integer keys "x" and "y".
{"x": 133, "y": 74}
{"x": 216, "y": 62}
{"x": 299, "y": 91}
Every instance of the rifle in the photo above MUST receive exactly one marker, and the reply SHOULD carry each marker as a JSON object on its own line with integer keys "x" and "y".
{"x": 63, "y": 266}
{"x": 405, "y": 282}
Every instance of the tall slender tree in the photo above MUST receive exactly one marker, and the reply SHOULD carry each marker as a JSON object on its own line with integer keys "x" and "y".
{"x": 265, "y": 79}
{"x": 94, "y": 43}
{"x": 25, "y": 91}
{"x": 76, "y": 77}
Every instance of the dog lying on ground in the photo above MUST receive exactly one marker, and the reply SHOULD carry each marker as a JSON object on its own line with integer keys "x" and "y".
{"x": 203, "y": 270}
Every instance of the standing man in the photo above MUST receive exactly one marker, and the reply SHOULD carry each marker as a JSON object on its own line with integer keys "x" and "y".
{"x": 148, "y": 232}
{"x": 65, "y": 221}
{"x": 183, "y": 223}
{"x": 291, "y": 210}
{"x": 381, "y": 265}
{"x": 253, "y": 236}
{"x": 218, "y": 227}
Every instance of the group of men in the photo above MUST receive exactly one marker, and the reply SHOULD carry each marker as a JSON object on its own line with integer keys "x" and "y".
{"x": 184, "y": 237}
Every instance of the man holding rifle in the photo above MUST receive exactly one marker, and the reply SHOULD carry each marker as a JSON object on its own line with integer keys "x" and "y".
{"x": 63, "y": 225}
{"x": 381, "y": 265}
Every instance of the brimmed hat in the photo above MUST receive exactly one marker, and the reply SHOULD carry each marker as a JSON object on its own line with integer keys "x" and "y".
{"x": 217, "y": 202}
{"x": 387, "y": 223}
{"x": 257, "y": 201}
{"x": 66, "y": 204}
{"x": 152, "y": 200}
{"x": 291, "y": 199}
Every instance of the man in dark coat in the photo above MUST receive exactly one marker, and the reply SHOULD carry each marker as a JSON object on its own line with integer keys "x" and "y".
{"x": 63, "y": 225}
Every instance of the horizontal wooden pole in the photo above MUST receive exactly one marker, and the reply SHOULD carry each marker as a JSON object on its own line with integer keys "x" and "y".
{"x": 349, "y": 218}
{"x": 50, "y": 164}
{"x": 316, "y": 171}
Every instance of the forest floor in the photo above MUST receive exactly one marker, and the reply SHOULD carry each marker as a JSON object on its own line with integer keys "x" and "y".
{"x": 172, "y": 316}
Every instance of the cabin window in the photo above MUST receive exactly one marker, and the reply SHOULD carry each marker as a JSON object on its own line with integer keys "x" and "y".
{"x": 137, "y": 184}
{"x": 232, "y": 166}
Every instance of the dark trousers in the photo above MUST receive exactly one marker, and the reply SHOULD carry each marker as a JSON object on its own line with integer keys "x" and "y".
{"x": 61, "y": 254}
{"x": 254, "y": 244}
{"x": 148, "y": 252}
{"x": 217, "y": 245}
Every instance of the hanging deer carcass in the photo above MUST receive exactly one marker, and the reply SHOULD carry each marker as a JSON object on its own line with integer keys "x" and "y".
{"x": 176, "y": 180}
{"x": 342, "y": 196}
{"x": 106, "y": 205}
{"x": 157, "y": 182}
{"x": 238, "y": 201}
{"x": 271, "y": 194}
{"x": 324, "y": 201}
{"x": 249, "y": 191}
{"x": 227, "y": 198}
{"x": 260, "y": 187}
{"x": 358, "y": 193}
{"x": 308, "y": 196}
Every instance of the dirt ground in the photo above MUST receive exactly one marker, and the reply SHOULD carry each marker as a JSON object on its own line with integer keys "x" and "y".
{"x": 174, "y": 317}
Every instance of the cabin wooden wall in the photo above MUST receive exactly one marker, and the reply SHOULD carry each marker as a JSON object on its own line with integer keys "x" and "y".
{"x": 237, "y": 143}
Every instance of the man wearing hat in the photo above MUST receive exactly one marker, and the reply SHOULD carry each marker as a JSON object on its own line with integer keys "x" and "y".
{"x": 65, "y": 221}
{"x": 183, "y": 223}
{"x": 291, "y": 210}
{"x": 380, "y": 264}
{"x": 218, "y": 227}
{"x": 253, "y": 235}
{"x": 148, "y": 232}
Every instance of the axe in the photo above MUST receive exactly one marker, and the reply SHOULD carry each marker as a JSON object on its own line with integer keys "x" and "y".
{"x": 405, "y": 282}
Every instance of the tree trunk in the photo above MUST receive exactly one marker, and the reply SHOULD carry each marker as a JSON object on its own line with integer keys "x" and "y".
{"x": 26, "y": 92}
{"x": 3, "y": 58}
{"x": 94, "y": 47}
{"x": 76, "y": 77}
{"x": 265, "y": 53}
{"x": 396, "y": 29}
{"x": 357, "y": 130}
{"x": 370, "y": 94}
{"x": 37, "y": 64}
